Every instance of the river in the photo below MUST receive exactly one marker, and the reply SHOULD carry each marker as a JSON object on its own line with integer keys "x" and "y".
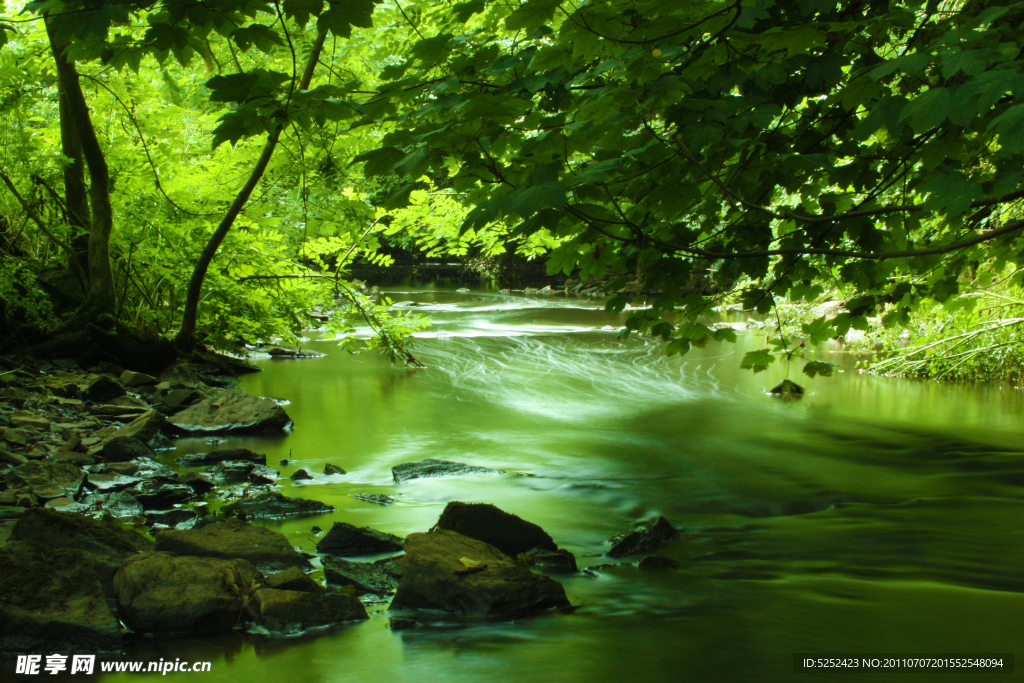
{"x": 872, "y": 516}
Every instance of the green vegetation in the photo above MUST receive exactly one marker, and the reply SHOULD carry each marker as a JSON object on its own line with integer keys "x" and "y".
{"x": 194, "y": 170}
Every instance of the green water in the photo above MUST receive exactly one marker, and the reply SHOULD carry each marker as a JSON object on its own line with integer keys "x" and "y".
{"x": 873, "y": 515}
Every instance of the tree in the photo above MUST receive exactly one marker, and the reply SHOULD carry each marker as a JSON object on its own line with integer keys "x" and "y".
{"x": 779, "y": 147}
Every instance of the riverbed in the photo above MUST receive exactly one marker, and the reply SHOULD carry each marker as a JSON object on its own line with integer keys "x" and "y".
{"x": 871, "y": 516}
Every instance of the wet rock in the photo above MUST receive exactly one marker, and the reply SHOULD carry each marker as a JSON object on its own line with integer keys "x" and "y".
{"x": 148, "y": 468}
{"x": 267, "y": 550}
{"x": 657, "y": 562}
{"x": 13, "y": 436}
{"x": 176, "y": 398}
{"x": 506, "y": 532}
{"x": 144, "y": 427}
{"x": 559, "y": 561}
{"x": 299, "y": 475}
{"x": 379, "y": 578}
{"x": 293, "y": 579}
{"x": 231, "y": 411}
{"x": 333, "y": 469}
{"x": 214, "y": 457}
{"x": 347, "y": 540}
{"x": 196, "y": 482}
{"x": 136, "y": 379}
{"x": 121, "y": 505}
{"x": 161, "y": 495}
{"x": 8, "y": 458}
{"x": 239, "y": 471}
{"x": 160, "y": 443}
{"x": 178, "y": 518}
{"x": 66, "y": 505}
{"x": 42, "y": 472}
{"x": 644, "y": 539}
{"x": 435, "y": 468}
{"x": 377, "y": 498}
{"x": 290, "y": 611}
{"x": 273, "y": 504}
{"x": 787, "y": 389}
{"x": 51, "y": 600}
{"x": 443, "y": 570}
{"x": 401, "y": 623}
{"x": 162, "y": 593}
{"x": 125, "y": 448}
{"x": 103, "y": 388}
{"x": 125, "y": 468}
{"x": 110, "y": 483}
{"x": 106, "y": 543}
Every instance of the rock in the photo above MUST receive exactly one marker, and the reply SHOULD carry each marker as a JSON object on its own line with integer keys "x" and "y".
{"x": 144, "y": 427}
{"x": 787, "y": 389}
{"x": 106, "y": 543}
{"x": 24, "y": 419}
{"x": 379, "y": 578}
{"x": 110, "y": 483}
{"x": 161, "y": 593}
{"x": 231, "y": 411}
{"x": 435, "y": 468}
{"x": 136, "y": 404}
{"x": 333, "y": 469}
{"x": 506, "y": 532}
{"x": 273, "y": 504}
{"x": 13, "y": 436}
{"x": 293, "y": 579}
{"x": 148, "y": 468}
{"x": 656, "y": 562}
{"x": 196, "y": 482}
{"x": 51, "y": 600}
{"x": 180, "y": 397}
{"x": 125, "y": 448}
{"x": 299, "y": 475}
{"x": 290, "y": 611}
{"x": 161, "y": 495}
{"x": 41, "y": 472}
{"x": 401, "y": 623}
{"x": 267, "y": 550}
{"x": 462, "y": 290}
{"x": 238, "y": 471}
{"x": 103, "y": 388}
{"x": 347, "y": 540}
{"x": 560, "y": 561}
{"x": 8, "y": 458}
{"x": 377, "y": 498}
{"x": 121, "y": 505}
{"x": 125, "y": 468}
{"x": 66, "y": 505}
{"x": 136, "y": 379}
{"x": 447, "y": 571}
{"x": 214, "y": 457}
{"x": 160, "y": 443}
{"x": 178, "y": 518}
{"x": 644, "y": 539}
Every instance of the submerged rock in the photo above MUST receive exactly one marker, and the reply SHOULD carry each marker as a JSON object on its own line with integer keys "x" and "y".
{"x": 443, "y": 570}
{"x": 435, "y": 468}
{"x": 215, "y": 457}
{"x": 506, "y": 532}
{"x": 273, "y": 504}
{"x": 231, "y": 411}
{"x": 657, "y": 562}
{"x": 299, "y": 475}
{"x": 290, "y": 611}
{"x": 51, "y": 600}
{"x": 787, "y": 389}
{"x": 379, "y": 578}
{"x": 333, "y": 469}
{"x": 162, "y": 593}
{"x": 559, "y": 561}
{"x": 646, "y": 538}
{"x": 238, "y": 471}
{"x": 377, "y": 498}
{"x": 347, "y": 540}
{"x": 267, "y": 550}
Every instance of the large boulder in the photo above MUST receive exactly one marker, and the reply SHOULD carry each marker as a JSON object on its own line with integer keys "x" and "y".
{"x": 378, "y": 578}
{"x": 443, "y": 570}
{"x": 231, "y": 411}
{"x": 162, "y": 593}
{"x": 104, "y": 541}
{"x": 644, "y": 539}
{"x": 271, "y": 504}
{"x": 435, "y": 468}
{"x": 506, "y": 532}
{"x": 291, "y": 611}
{"x": 267, "y": 550}
{"x": 349, "y": 541}
{"x": 214, "y": 457}
{"x": 51, "y": 600}
{"x": 125, "y": 448}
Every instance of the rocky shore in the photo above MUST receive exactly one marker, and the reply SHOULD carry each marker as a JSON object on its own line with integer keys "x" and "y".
{"x": 104, "y": 543}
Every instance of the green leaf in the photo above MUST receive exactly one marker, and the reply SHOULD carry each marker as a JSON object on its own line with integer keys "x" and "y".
{"x": 819, "y": 330}
{"x": 531, "y": 15}
{"x": 342, "y": 15}
{"x": 813, "y": 368}
{"x": 951, "y": 194}
{"x": 757, "y": 360}
{"x": 301, "y": 9}
{"x": 928, "y": 110}
{"x": 380, "y": 161}
{"x": 725, "y": 334}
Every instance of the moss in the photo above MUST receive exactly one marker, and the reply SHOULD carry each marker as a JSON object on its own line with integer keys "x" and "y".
{"x": 63, "y": 529}
{"x": 38, "y": 578}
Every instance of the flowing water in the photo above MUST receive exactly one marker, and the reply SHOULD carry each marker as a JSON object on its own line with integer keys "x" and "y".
{"x": 873, "y": 515}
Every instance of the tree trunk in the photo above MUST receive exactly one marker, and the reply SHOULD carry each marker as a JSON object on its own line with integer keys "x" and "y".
{"x": 101, "y": 296}
{"x": 185, "y": 339}
{"x": 76, "y": 192}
